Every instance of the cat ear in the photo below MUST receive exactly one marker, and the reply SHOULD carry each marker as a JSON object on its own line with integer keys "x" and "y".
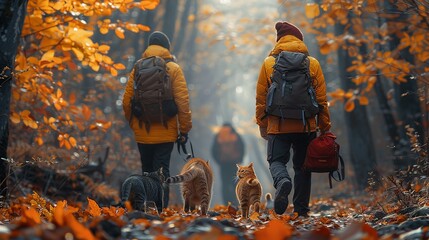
{"x": 251, "y": 164}
{"x": 238, "y": 166}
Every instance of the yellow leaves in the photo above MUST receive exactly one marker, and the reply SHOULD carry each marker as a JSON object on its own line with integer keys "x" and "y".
{"x": 114, "y": 72}
{"x": 58, "y": 100}
{"x": 25, "y": 117}
{"x": 148, "y": 4}
{"x": 67, "y": 141}
{"x": 120, "y": 32}
{"x": 104, "y": 48}
{"x": 51, "y": 122}
{"x": 363, "y": 100}
{"x": 93, "y": 208}
{"x": 47, "y": 58}
{"x": 275, "y": 229}
{"x": 132, "y": 27}
{"x": 100, "y": 124}
{"x": 119, "y": 66}
{"x": 86, "y": 112}
{"x": 79, "y": 54}
{"x": 312, "y": 10}
{"x": 350, "y": 105}
{"x": 143, "y": 27}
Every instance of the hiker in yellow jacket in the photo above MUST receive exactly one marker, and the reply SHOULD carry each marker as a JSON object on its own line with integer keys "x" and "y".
{"x": 283, "y": 134}
{"x": 155, "y": 146}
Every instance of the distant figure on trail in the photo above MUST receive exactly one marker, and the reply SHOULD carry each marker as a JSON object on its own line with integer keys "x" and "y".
{"x": 156, "y": 103}
{"x": 290, "y": 95}
{"x": 228, "y": 150}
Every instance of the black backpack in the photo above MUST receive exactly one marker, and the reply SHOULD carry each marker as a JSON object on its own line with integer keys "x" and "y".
{"x": 291, "y": 94}
{"x": 153, "y": 100}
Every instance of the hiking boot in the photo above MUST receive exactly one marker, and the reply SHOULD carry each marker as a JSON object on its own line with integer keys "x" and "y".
{"x": 281, "y": 199}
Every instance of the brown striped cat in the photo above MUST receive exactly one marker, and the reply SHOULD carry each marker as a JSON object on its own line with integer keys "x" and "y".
{"x": 197, "y": 180}
{"x": 248, "y": 189}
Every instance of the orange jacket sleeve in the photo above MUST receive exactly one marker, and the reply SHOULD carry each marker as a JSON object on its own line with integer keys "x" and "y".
{"x": 261, "y": 94}
{"x": 319, "y": 84}
{"x": 181, "y": 97}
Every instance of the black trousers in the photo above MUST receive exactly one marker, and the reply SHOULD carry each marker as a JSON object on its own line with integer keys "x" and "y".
{"x": 154, "y": 156}
{"x": 279, "y": 146}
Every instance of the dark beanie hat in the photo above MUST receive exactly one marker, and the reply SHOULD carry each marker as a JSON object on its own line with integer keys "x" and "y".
{"x": 160, "y": 39}
{"x": 285, "y": 28}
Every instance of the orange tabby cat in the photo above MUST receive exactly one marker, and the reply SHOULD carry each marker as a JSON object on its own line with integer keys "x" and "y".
{"x": 197, "y": 180}
{"x": 248, "y": 189}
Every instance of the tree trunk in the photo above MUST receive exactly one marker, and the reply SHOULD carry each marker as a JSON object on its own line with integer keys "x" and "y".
{"x": 170, "y": 15}
{"x": 362, "y": 152}
{"x": 406, "y": 94}
{"x": 12, "y": 15}
{"x": 182, "y": 29}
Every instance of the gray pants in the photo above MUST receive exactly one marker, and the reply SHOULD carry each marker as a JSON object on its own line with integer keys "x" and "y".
{"x": 278, "y": 156}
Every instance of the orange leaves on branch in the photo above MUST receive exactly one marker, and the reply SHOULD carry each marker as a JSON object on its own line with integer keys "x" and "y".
{"x": 25, "y": 117}
{"x": 119, "y": 66}
{"x": 58, "y": 100}
{"x": 350, "y": 105}
{"x": 67, "y": 141}
{"x": 86, "y": 112}
{"x": 104, "y": 48}
{"x": 47, "y": 59}
{"x": 363, "y": 100}
{"x": 120, "y": 33}
{"x": 100, "y": 124}
{"x": 148, "y": 4}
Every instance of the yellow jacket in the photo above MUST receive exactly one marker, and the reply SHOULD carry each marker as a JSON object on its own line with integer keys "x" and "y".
{"x": 276, "y": 125}
{"x": 182, "y": 122}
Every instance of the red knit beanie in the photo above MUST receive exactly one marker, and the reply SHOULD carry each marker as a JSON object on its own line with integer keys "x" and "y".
{"x": 285, "y": 28}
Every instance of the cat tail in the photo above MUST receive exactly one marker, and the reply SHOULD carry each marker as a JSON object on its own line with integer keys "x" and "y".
{"x": 186, "y": 176}
{"x": 125, "y": 192}
{"x": 269, "y": 201}
{"x": 253, "y": 182}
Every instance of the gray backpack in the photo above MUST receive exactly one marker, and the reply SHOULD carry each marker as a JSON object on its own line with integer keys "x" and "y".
{"x": 291, "y": 94}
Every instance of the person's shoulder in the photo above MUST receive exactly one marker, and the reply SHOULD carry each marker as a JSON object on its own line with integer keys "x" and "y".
{"x": 313, "y": 60}
{"x": 269, "y": 61}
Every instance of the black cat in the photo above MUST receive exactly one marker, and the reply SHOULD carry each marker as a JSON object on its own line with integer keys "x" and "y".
{"x": 139, "y": 189}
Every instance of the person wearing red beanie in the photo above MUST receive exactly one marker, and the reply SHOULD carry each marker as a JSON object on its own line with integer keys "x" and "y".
{"x": 286, "y": 28}
{"x": 282, "y": 134}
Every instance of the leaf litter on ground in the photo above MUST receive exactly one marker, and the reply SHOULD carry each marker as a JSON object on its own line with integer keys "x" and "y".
{"x": 358, "y": 217}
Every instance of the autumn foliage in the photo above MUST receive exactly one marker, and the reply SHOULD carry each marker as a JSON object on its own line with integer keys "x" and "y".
{"x": 57, "y": 47}
{"x": 65, "y": 72}
{"x": 378, "y": 59}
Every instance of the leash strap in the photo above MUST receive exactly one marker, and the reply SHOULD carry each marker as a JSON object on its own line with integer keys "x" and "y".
{"x": 340, "y": 173}
{"x": 185, "y": 151}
